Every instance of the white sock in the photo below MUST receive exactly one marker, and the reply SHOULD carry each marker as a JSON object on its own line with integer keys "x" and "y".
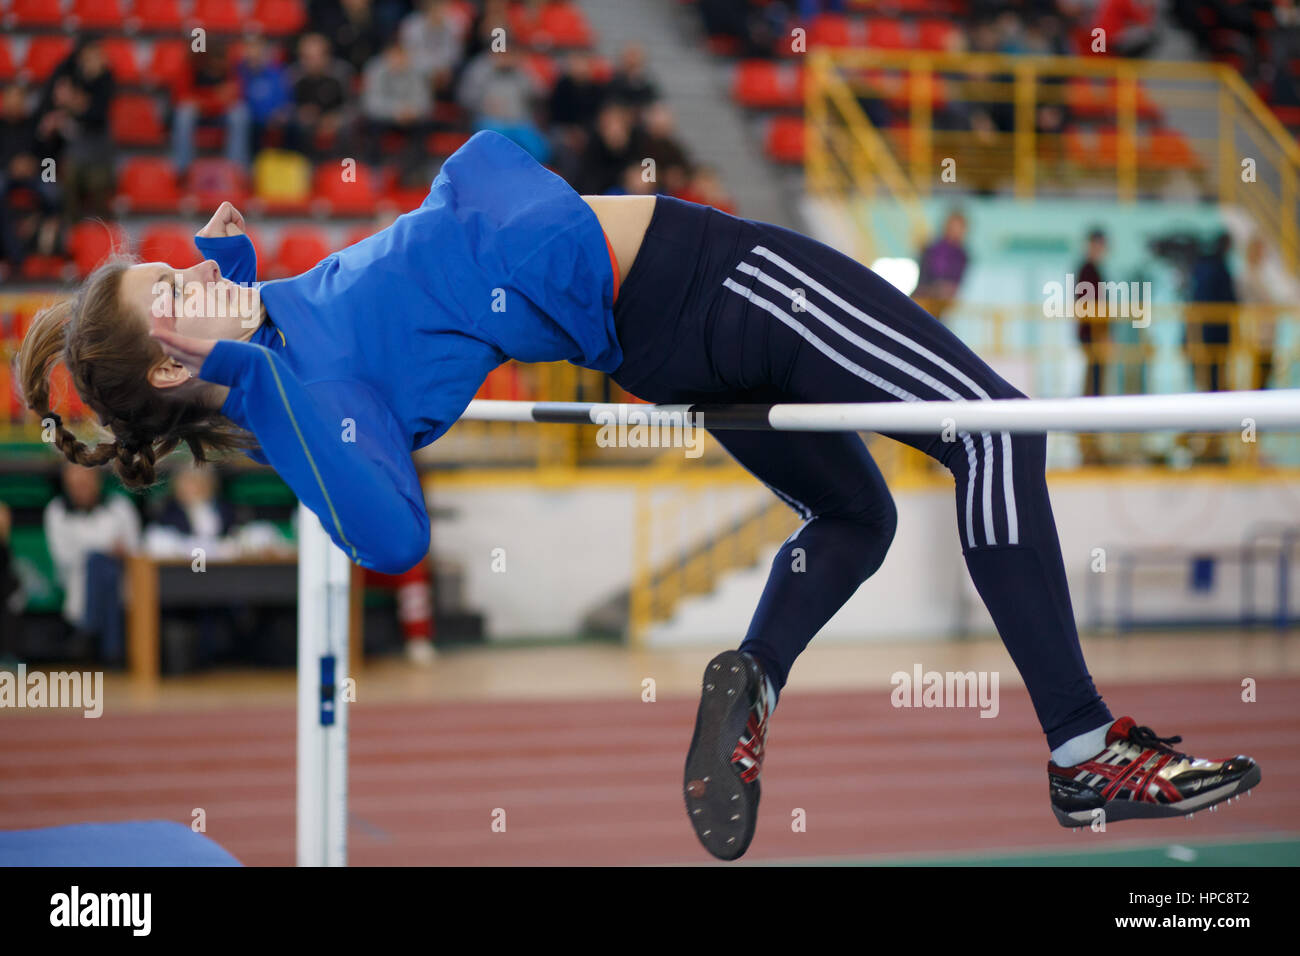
{"x": 1080, "y": 748}
{"x": 771, "y": 690}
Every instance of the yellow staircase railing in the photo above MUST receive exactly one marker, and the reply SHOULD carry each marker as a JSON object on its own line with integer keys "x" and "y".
{"x": 1135, "y": 128}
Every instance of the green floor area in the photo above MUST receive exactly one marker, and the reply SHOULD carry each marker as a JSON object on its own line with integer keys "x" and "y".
{"x": 1284, "y": 850}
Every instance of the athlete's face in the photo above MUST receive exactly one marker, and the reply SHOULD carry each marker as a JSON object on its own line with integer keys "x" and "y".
{"x": 196, "y": 301}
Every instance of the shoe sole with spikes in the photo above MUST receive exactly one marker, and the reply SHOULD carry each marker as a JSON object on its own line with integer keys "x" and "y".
{"x": 721, "y": 806}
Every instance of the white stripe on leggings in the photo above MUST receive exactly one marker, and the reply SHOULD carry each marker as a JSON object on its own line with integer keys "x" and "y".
{"x": 1008, "y": 486}
{"x": 866, "y": 376}
{"x": 788, "y": 294}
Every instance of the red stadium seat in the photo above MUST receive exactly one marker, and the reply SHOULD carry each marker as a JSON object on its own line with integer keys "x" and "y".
{"x": 934, "y": 34}
{"x": 828, "y": 30}
{"x": 564, "y": 25}
{"x": 358, "y": 197}
{"x": 169, "y": 66}
{"x": 217, "y": 16}
{"x": 279, "y": 17}
{"x": 445, "y": 143}
{"x": 26, "y": 14}
{"x": 301, "y": 247}
{"x": 148, "y": 184}
{"x": 7, "y": 68}
{"x": 1168, "y": 149}
{"x": 97, "y": 14}
{"x": 785, "y": 137}
{"x": 44, "y": 54}
{"x": 886, "y": 35}
{"x": 210, "y": 181}
{"x": 762, "y": 84}
{"x": 91, "y": 241}
{"x": 120, "y": 52}
{"x": 173, "y": 245}
{"x": 155, "y": 16}
{"x": 133, "y": 121}
{"x": 42, "y": 268}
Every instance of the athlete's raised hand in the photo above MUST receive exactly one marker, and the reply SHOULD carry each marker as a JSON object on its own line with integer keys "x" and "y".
{"x": 188, "y": 351}
{"x": 226, "y": 221}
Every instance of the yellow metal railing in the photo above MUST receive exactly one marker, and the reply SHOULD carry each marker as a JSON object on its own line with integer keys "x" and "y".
{"x": 673, "y": 559}
{"x": 1135, "y": 128}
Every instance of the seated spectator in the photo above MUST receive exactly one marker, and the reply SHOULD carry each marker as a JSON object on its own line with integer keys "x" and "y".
{"x": 434, "y": 39}
{"x": 321, "y": 104}
{"x": 1128, "y": 25}
{"x": 88, "y": 535}
{"x": 705, "y": 187}
{"x": 264, "y": 87}
{"x": 656, "y": 138}
{"x": 577, "y": 94}
{"x": 499, "y": 95}
{"x": 212, "y": 98}
{"x": 72, "y": 127}
{"x": 609, "y": 151}
{"x": 355, "y": 28}
{"x": 17, "y": 126}
{"x": 29, "y": 215}
{"x": 192, "y": 517}
{"x": 195, "y": 521}
{"x": 396, "y": 100}
{"x": 631, "y": 84}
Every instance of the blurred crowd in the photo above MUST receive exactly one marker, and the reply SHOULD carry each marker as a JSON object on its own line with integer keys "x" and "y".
{"x": 369, "y": 79}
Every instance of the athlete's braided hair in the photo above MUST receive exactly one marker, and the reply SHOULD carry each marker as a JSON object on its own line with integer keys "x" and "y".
{"x": 108, "y": 353}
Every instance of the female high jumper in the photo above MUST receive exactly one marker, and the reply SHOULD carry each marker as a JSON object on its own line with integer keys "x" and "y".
{"x": 335, "y": 376}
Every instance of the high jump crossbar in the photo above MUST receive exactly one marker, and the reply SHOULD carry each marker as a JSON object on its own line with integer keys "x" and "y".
{"x": 323, "y": 569}
{"x": 1200, "y": 411}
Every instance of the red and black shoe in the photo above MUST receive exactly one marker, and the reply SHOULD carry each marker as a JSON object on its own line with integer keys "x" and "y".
{"x": 1140, "y": 776}
{"x": 726, "y": 754}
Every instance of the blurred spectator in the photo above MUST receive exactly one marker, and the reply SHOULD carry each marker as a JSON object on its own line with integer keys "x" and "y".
{"x": 1129, "y": 26}
{"x": 493, "y": 15}
{"x": 89, "y": 535}
{"x": 631, "y": 84}
{"x": 499, "y": 95}
{"x": 11, "y": 594}
{"x": 1263, "y": 285}
{"x": 396, "y": 101}
{"x": 354, "y": 27}
{"x": 656, "y": 139}
{"x": 577, "y": 94}
{"x": 1093, "y": 334}
{"x": 434, "y": 38}
{"x": 17, "y": 128}
{"x": 264, "y": 86}
{"x": 610, "y": 150}
{"x": 1212, "y": 286}
{"x": 705, "y": 187}
{"x": 29, "y": 214}
{"x": 72, "y": 127}
{"x": 414, "y": 592}
{"x": 192, "y": 517}
{"x": 943, "y": 263}
{"x": 321, "y": 85}
{"x": 212, "y": 98}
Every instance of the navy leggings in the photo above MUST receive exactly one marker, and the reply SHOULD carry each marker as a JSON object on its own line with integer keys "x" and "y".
{"x": 720, "y": 309}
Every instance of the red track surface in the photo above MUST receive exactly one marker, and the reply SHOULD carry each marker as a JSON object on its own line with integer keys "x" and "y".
{"x": 598, "y": 782}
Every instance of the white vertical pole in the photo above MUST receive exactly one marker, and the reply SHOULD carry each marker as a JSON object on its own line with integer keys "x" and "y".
{"x": 323, "y": 579}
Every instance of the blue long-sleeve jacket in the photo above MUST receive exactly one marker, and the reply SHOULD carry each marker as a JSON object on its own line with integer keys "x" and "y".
{"x": 377, "y": 350}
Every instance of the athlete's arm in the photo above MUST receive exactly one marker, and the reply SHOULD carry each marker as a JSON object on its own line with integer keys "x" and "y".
{"x": 334, "y": 443}
{"x": 225, "y": 241}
